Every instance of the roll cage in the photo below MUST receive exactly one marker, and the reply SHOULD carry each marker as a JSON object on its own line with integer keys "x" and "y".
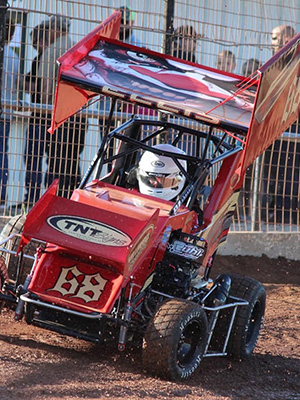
{"x": 210, "y": 146}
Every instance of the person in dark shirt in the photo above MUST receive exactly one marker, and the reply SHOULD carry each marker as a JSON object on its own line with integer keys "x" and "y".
{"x": 226, "y": 61}
{"x": 127, "y": 33}
{"x": 185, "y": 43}
{"x": 250, "y": 66}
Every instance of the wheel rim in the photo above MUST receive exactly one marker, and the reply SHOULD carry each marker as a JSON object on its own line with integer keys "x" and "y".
{"x": 188, "y": 343}
{"x": 254, "y": 325}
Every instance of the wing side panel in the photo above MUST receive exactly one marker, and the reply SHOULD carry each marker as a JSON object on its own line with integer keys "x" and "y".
{"x": 68, "y": 98}
{"x": 278, "y": 100}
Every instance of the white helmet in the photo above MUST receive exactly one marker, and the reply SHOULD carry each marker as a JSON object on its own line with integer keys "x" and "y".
{"x": 158, "y": 175}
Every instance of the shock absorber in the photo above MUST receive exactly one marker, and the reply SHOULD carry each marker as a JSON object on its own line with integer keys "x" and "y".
{"x": 221, "y": 291}
{"x": 126, "y": 318}
{"x": 223, "y": 283}
{"x": 19, "y": 311}
{"x": 20, "y": 306}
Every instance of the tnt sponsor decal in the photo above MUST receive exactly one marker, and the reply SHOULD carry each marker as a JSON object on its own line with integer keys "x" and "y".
{"x": 139, "y": 247}
{"x": 89, "y": 230}
{"x": 73, "y": 283}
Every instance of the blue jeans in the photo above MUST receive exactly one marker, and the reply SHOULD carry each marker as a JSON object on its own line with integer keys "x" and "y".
{"x": 4, "y": 135}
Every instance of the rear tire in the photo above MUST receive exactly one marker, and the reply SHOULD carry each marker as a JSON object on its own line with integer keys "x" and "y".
{"x": 175, "y": 340}
{"x": 249, "y": 319}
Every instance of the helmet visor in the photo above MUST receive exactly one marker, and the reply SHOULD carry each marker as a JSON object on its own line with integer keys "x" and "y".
{"x": 160, "y": 181}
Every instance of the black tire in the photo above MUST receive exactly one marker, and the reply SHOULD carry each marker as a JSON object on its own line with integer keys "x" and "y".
{"x": 175, "y": 340}
{"x": 15, "y": 225}
{"x": 249, "y": 319}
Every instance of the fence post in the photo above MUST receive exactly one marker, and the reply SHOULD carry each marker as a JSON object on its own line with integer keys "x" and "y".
{"x": 167, "y": 49}
{"x": 3, "y": 8}
{"x": 169, "y": 25}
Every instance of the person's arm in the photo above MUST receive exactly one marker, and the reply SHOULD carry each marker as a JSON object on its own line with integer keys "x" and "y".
{"x": 28, "y": 82}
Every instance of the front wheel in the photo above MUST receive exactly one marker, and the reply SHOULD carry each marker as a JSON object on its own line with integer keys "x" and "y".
{"x": 175, "y": 340}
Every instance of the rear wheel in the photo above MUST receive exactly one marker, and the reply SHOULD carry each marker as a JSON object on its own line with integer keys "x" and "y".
{"x": 249, "y": 319}
{"x": 175, "y": 340}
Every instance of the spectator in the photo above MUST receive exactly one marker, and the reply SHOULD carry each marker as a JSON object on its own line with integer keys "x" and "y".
{"x": 185, "y": 43}
{"x": 226, "y": 61}
{"x": 64, "y": 147}
{"x": 281, "y": 35}
{"x": 8, "y": 95}
{"x": 35, "y": 143}
{"x": 127, "y": 33}
{"x": 250, "y": 66}
{"x": 282, "y": 162}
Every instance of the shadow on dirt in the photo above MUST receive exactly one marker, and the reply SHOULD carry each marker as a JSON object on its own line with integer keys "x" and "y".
{"x": 101, "y": 367}
{"x": 264, "y": 269}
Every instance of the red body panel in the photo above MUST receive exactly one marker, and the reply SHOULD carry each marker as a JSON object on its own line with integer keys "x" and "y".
{"x": 221, "y": 205}
{"x": 105, "y": 236}
{"x": 75, "y": 284}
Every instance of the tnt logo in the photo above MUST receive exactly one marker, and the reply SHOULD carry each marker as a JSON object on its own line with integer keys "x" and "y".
{"x": 89, "y": 230}
{"x": 73, "y": 283}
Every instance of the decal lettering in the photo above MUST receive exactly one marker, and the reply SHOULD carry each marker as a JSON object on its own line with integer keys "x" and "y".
{"x": 140, "y": 246}
{"x": 293, "y": 99}
{"x": 89, "y": 230}
{"x": 185, "y": 250}
{"x": 73, "y": 283}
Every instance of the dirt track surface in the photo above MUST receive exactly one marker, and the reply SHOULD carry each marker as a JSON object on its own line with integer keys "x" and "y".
{"x": 37, "y": 364}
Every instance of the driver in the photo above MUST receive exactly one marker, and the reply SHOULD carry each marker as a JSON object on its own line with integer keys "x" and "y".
{"x": 158, "y": 175}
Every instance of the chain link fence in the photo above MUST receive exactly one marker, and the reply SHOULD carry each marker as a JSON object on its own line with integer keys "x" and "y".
{"x": 234, "y": 35}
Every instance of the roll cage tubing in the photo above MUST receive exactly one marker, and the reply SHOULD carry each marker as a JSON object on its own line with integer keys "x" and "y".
{"x": 201, "y": 162}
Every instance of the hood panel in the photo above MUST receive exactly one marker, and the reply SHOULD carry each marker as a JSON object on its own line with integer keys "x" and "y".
{"x": 97, "y": 229}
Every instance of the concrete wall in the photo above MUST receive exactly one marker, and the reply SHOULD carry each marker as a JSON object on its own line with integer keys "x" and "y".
{"x": 273, "y": 245}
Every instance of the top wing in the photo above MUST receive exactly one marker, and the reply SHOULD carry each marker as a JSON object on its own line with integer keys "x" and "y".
{"x": 261, "y": 107}
{"x": 106, "y": 66}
